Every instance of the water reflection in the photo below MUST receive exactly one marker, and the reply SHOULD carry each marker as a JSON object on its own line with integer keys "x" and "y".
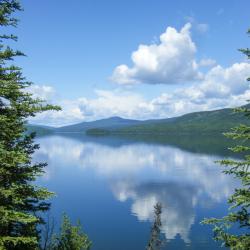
{"x": 144, "y": 175}
{"x": 155, "y": 240}
{"x": 178, "y": 201}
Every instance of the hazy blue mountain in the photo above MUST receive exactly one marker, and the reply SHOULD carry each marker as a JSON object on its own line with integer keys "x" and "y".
{"x": 39, "y": 129}
{"x": 206, "y": 122}
{"x": 110, "y": 123}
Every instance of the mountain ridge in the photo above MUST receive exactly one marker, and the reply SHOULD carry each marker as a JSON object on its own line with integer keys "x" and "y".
{"x": 214, "y": 121}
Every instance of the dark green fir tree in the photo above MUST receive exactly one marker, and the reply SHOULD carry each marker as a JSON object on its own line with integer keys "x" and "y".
{"x": 21, "y": 202}
{"x": 238, "y": 218}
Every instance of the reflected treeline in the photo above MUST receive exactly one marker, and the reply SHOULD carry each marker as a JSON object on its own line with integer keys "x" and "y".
{"x": 212, "y": 144}
{"x": 155, "y": 241}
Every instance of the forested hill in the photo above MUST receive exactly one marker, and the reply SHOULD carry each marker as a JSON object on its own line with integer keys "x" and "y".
{"x": 205, "y": 122}
{"x": 110, "y": 123}
{"x": 82, "y": 127}
{"x": 39, "y": 130}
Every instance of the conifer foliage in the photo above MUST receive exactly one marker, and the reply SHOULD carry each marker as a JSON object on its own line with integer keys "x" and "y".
{"x": 21, "y": 201}
{"x": 69, "y": 237}
{"x": 239, "y": 215}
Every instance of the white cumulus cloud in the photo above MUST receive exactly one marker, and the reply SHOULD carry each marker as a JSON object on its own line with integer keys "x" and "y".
{"x": 44, "y": 92}
{"x": 207, "y": 62}
{"x": 169, "y": 62}
{"x": 221, "y": 87}
{"x": 105, "y": 104}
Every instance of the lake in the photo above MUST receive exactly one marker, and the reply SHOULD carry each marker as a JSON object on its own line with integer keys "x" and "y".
{"x": 112, "y": 185}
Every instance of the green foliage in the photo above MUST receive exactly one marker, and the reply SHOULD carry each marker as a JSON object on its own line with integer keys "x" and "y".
{"x": 20, "y": 200}
{"x": 239, "y": 216}
{"x": 70, "y": 237}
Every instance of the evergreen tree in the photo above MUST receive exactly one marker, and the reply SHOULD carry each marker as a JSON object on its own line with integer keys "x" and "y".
{"x": 239, "y": 216}
{"x": 70, "y": 237}
{"x": 21, "y": 201}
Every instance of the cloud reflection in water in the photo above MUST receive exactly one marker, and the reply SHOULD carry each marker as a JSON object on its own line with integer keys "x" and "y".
{"x": 145, "y": 174}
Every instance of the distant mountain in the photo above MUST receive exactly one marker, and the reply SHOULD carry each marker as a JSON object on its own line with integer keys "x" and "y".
{"x": 39, "y": 129}
{"x": 109, "y": 123}
{"x": 206, "y": 122}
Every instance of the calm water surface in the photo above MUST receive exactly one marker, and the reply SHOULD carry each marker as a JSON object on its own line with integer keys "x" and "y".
{"x": 112, "y": 185}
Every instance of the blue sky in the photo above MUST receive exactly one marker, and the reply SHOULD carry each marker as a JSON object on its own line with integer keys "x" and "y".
{"x": 75, "y": 49}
